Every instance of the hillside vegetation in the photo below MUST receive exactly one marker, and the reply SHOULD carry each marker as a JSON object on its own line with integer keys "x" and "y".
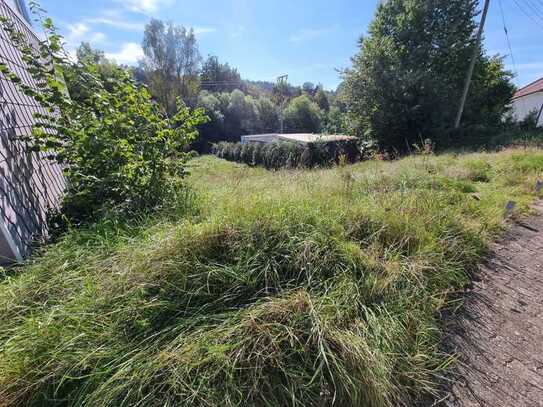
{"x": 300, "y": 288}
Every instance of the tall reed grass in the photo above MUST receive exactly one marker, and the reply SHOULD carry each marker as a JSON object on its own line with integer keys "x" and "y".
{"x": 292, "y": 288}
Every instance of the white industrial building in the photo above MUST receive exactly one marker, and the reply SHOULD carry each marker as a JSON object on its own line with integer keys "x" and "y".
{"x": 300, "y": 138}
{"x": 529, "y": 99}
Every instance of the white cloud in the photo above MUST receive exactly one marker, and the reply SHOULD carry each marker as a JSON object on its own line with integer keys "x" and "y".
{"x": 129, "y": 53}
{"x": 97, "y": 38}
{"x": 117, "y": 23}
{"x": 80, "y": 32}
{"x": 77, "y": 31}
{"x": 145, "y": 6}
{"x": 308, "y": 34}
{"x": 204, "y": 30}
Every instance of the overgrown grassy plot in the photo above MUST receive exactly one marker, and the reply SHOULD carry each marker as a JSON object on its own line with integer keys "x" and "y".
{"x": 288, "y": 288}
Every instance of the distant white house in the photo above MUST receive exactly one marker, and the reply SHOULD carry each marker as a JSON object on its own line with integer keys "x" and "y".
{"x": 527, "y": 100}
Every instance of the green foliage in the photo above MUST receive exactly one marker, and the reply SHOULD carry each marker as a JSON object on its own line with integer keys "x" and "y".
{"x": 88, "y": 55}
{"x": 268, "y": 115}
{"x": 528, "y": 162}
{"x": 292, "y": 288}
{"x": 322, "y": 100}
{"x": 406, "y": 81}
{"x": 218, "y": 77}
{"x": 242, "y": 114}
{"x": 302, "y": 115}
{"x": 529, "y": 123}
{"x": 283, "y": 92}
{"x": 248, "y": 111}
{"x": 234, "y": 114}
{"x": 171, "y": 64}
{"x": 335, "y": 121}
{"x": 117, "y": 150}
{"x": 279, "y": 155}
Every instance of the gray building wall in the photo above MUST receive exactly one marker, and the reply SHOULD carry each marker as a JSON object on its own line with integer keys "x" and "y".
{"x": 524, "y": 105}
{"x": 31, "y": 185}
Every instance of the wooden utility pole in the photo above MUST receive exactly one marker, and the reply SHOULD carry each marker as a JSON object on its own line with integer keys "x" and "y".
{"x": 476, "y": 50}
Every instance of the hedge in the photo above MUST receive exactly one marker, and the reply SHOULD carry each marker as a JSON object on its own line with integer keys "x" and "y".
{"x": 285, "y": 154}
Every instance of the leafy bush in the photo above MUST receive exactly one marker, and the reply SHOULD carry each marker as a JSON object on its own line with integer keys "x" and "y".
{"x": 530, "y": 122}
{"x": 117, "y": 150}
{"x": 302, "y": 115}
{"x": 289, "y": 155}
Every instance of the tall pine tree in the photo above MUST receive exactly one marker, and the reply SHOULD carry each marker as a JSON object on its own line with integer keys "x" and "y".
{"x": 406, "y": 81}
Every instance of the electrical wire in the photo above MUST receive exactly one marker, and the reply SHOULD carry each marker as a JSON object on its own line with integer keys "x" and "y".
{"x": 530, "y": 16}
{"x": 534, "y": 8}
{"x": 506, "y": 30}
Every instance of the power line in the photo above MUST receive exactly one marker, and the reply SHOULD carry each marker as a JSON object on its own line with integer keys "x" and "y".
{"x": 528, "y": 9}
{"x": 506, "y": 30}
{"x": 507, "y": 37}
{"x": 536, "y": 12}
{"x": 528, "y": 14}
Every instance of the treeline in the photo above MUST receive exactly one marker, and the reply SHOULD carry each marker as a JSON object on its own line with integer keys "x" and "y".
{"x": 237, "y": 113}
{"x": 403, "y": 87}
{"x": 173, "y": 68}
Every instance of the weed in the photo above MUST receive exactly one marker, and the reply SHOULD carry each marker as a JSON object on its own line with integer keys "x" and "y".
{"x": 279, "y": 288}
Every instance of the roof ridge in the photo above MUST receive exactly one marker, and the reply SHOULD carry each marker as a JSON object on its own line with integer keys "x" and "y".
{"x": 533, "y": 87}
{"x": 530, "y": 84}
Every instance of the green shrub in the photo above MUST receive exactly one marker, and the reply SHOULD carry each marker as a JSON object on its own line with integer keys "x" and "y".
{"x": 246, "y": 155}
{"x": 479, "y": 170}
{"x": 528, "y": 162}
{"x": 530, "y": 123}
{"x": 117, "y": 150}
{"x": 516, "y": 137}
{"x": 289, "y": 155}
{"x": 258, "y": 154}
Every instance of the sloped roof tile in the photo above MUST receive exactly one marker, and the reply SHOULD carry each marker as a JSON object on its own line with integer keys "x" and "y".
{"x": 533, "y": 87}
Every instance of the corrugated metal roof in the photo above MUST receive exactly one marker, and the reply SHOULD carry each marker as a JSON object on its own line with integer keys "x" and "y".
{"x": 533, "y": 87}
{"x": 297, "y": 138}
{"x": 313, "y": 138}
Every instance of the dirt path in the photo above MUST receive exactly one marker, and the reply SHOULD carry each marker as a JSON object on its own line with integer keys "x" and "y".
{"x": 499, "y": 337}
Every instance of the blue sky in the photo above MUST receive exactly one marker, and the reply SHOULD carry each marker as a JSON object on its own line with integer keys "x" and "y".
{"x": 306, "y": 39}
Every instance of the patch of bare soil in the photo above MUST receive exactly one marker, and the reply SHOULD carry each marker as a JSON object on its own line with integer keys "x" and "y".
{"x": 499, "y": 335}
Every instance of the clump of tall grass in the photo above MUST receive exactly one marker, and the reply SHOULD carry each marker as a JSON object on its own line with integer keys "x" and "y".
{"x": 289, "y": 155}
{"x": 292, "y": 288}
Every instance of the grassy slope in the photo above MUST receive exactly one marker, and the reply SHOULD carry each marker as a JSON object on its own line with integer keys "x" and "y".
{"x": 287, "y": 288}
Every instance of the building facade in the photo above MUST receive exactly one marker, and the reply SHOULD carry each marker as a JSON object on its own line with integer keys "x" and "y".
{"x": 31, "y": 185}
{"x": 527, "y": 100}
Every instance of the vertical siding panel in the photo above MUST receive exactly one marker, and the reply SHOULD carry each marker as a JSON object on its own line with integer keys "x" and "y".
{"x": 30, "y": 184}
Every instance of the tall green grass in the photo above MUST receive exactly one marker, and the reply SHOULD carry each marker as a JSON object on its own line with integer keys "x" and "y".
{"x": 292, "y": 288}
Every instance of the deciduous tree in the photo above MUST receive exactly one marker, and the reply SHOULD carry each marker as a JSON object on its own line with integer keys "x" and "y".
{"x": 406, "y": 81}
{"x": 218, "y": 77}
{"x": 302, "y": 116}
{"x": 171, "y": 63}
